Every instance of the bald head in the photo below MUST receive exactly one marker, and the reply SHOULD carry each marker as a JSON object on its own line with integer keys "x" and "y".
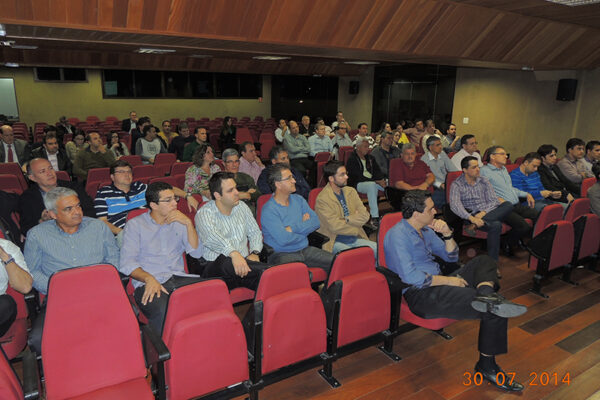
{"x": 7, "y": 134}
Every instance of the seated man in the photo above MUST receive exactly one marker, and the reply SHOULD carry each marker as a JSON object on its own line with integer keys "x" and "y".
{"x": 451, "y": 141}
{"x": 472, "y": 198}
{"x": 66, "y": 241}
{"x": 11, "y": 149}
{"x": 340, "y": 139}
{"x": 411, "y": 248}
{"x": 231, "y": 237}
{"x": 178, "y": 144}
{"x": 385, "y": 152}
{"x": 13, "y": 271}
{"x": 250, "y": 164}
{"x": 551, "y": 176}
{"x": 286, "y": 222}
{"x": 43, "y": 178}
{"x": 592, "y": 155}
{"x": 281, "y": 131}
{"x": 298, "y": 150}
{"x": 279, "y": 156}
{"x": 430, "y": 130}
{"x": 153, "y": 244}
{"x": 572, "y": 165}
{"x": 247, "y": 189}
{"x": 51, "y": 152}
{"x": 469, "y": 148}
{"x": 527, "y": 179}
{"x": 364, "y": 175}
{"x": 94, "y": 156}
{"x": 594, "y": 192}
{"x": 320, "y": 142}
{"x": 201, "y": 137}
{"x": 149, "y": 145}
{"x": 439, "y": 163}
{"x": 341, "y": 212}
{"x": 413, "y": 174}
{"x": 363, "y": 132}
{"x": 415, "y": 135}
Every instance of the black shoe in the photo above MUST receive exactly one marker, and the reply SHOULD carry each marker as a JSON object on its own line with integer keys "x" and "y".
{"x": 498, "y": 305}
{"x": 369, "y": 227}
{"x": 498, "y": 378}
{"x": 508, "y": 250}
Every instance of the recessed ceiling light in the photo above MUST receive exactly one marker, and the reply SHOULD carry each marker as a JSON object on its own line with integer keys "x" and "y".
{"x": 271, "y": 58}
{"x": 2, "y": 30}
{"x": 200, "y": 56}
{"x": 362, "y": 62}
{"x": 7, "y": 42}
{"x": 574, "y": 3}
{"x": 11, "y": 65}
{"x": 149, "y": 50}
{"x": 23, "y": 47}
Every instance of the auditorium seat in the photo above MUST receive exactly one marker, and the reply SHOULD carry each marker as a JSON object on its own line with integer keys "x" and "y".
{"x": 14, "y": 169}
{"x": 10, "y": 387}
{"x": 133, "y": 160}
{"x": 144, "y": 171}
{"x": 312, "y": 197}
{"x": 586, "y": 184}
{"x": 320, "y": 175}
{"x": 63, "y": 176}
{"x": 586, "y": 229}
{"x": 180, "y": 168}
{"x": 163, "y": 163}
{"x": 15, "y": 339}
{"x": 344, "y": 152}
{"x": 10, "y": 183}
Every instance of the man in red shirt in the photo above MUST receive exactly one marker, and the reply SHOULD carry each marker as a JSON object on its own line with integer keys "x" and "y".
{"x": 411, "y": 174}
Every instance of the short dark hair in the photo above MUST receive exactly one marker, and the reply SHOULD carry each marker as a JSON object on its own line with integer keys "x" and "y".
{"x": 275, "y": 150}
{"x": 89, "y": 133}
{"x": 449, "y": 125}
{"x": 430, "y": 140}
{"x": 414, "y": 200}
{"x": 274, "y": 172}
{"x": 596, "y": 171}
{"x": 147, "y": 129}
{"x": 546, "y": 149}
{"x": 196, "y": 129}
{"x": 361, "y": 124}
{"x": 492, "y": 150}
{"x": 153, "y": 191}
{"x": 574, "y": 142}
{"x": 330, "y": 169}
{"x": 463, "y": 140}
{"x": 119, "y": 163}
{"x": 464, "y": 163}
{"x": 198, "y": 156}
{"x": 49, "y": 135}
{"x": 49, "y": 128}
{"x": 529, "y": 157}
{"x": 143, "y": 120}
{"x": 591, "y": 144}
{"x": 166, "y": 120}
{"x": 215, "y": 183}
{"x": 243, "y": 146}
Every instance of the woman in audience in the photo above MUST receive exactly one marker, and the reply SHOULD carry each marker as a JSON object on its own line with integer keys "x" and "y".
{"x": 227, "y": 136}
{"x": 78, "y": 143}
{"x": 385, "y": 127}
{"x": 400, "y": 137}
{"x": 198, "y": 175}
{"x": 116, "y": 147}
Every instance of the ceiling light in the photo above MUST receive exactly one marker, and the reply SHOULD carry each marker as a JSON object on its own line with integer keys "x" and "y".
{"x": 7, "y": 42}
{"x": 271, "y": 58}
{"x": 23, "y": 47}
{"x": 361, "y": 62}
{"x": 149, "y": 50}
{"x": 11, "y": 65}
{"x": 2, "y": 30}
{"x": 574, "y": 3}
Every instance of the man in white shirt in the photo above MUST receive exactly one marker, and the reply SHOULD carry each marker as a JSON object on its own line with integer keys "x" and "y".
{"x": 469, "y": 148}
{"x": 13, "y": 150}
{"x": 51, "y": 152}
{"x": 281, "y": 131}
{"x": 13, "y": 271}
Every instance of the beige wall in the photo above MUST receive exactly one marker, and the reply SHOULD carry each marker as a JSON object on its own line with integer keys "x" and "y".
{"x": 46, "y": 101}
{"x": 357, "y": 108}
{"x": 515, "y": 110}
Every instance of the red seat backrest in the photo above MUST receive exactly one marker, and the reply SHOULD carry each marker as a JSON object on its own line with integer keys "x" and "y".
{"x": 63, "y": 175}
{"x": 578, "y": 208}
{"x": 133, "y": 159}
{"x": 10, "y": 387}
{"x": 451, "y": 177}
{"x": 322, "y": 156}
{"x": 98, "y": 174}
{"x": 590, "y": 241}
{"x": 259, "y": 205}
{"x": 243, "y": 135}
{"x": 511, "y": 167}
{"x": 180, "y": 167}
{"x": 165, "y": 158}
{"x": 136, "y": 212}
{"x": 320, "y": 177}
{"x": 386, "y": 223}
{"x": 351, "y": 262}
{"x": 15, "y": 170}
{"x": 586, "y": 184}
{"x": 312, "y": 197}
{"x": 344, "y": 152}
{"x": 89, "y": 328}
{"x": 143, "y": 171}
{"x": 549, "y": 214}
{"x": 10, "y": 183}
{"x": 171, "y": 180}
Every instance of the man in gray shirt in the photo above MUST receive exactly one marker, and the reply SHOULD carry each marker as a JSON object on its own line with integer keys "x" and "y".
{"x": 439, "y": 163}
{"x": 298, "y": 150}
{"x": 572, "y": 165}
{"x": 385, "y": 152}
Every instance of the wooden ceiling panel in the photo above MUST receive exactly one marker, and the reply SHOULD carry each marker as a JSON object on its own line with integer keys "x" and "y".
{"x": 503, "y": 32}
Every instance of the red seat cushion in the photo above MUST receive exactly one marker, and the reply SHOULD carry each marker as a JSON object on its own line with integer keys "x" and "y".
{"x": 240, "y": 294}
{"x": 138, "y": 389}
{"x": 433, "y": 324}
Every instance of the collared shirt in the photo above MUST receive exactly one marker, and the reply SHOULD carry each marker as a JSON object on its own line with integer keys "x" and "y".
{"x": 447, "y": 141}
{"x": 500, "y": 180}
{"x": 14, "y": 151}
{"x": 440, "y": 166}
{"x": 13, "y": 251}
{"x": 572, "y": 169}
{"x": 457, "y": 158}
{"x": 297, "y": 147}
{"x": 531, "y": 183}
{"x": 415, "y": 175}
{"x": 155, "y": 248}
{"x": 222, "y": 234}
{"x": 251, "y": 168}
{"x": 49, "y": 249}
{"x": 412, "y": 256}
{"x": 279, "y": 134}
{"x": 320, "y": 144}
{"x": 477, "y": 197}
{"x": 114, "y": 204}
{"x": 340, "y": 141}
{"x": 383, "y": 157}
{"x": 588, "y": 164}
{"x": 53, "y": 158}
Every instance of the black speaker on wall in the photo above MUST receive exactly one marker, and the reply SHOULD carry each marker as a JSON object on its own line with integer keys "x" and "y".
{"x": 566, "y": 89}
{"x": 354, "y": 87}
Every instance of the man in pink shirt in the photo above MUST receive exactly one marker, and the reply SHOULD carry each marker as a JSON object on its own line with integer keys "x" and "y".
{"x": 249, "y": 163}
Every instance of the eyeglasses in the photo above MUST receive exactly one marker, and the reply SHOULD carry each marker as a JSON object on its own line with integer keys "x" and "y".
{"x": 232, "y": 161}
{"x": 169, "y": 199}
{"x": 499, "y": 154}
{"x": 286, "y": 179}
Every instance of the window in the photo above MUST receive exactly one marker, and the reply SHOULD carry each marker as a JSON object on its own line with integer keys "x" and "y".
{"x": 56, "y": 74}
{"x": 118, "y": 83}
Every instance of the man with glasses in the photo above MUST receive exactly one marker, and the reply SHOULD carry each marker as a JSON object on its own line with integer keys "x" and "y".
{"x": 552, "y": 177}
{"x": 153, "y": 244}
{"x": 287, "y": 220}
{"x": 250, "y": 164}
{"x": 340, "y": 139}
{"x": 469, "y": 148}
{"x": 66, "y": 240}
{"x": 113, "y": 202}
{"x": 278, "y": 155}
{"x": 572, "y": 165}
{"x": 247, "y": 190}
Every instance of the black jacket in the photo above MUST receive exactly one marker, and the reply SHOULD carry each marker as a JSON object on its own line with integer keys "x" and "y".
{"x": 178, "y": 144}
{"x": 9, "y": 202}
{"x": 31, "y": 204}
{"x": 557, "y": 181}
{"x": 64, "y": 164}
{"x": 354, "y": 168}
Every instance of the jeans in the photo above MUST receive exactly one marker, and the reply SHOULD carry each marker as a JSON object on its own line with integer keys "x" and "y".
{"x": 311, "y": 256}
{"x": 339, "y": 246}
{"x": 493, "y": 227}
{"x": 371, "y": 189}
{"x": 439, "y": 198}
{"x": 541, "y": 203}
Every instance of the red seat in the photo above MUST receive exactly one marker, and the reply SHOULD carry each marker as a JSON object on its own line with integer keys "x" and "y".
{"x": 265, "y": 149}
{"x": 163, "y": 163}
{"x": 179, "y": 180}
{"x": 179, "y": 168}
{"x": 15, "y": 339}
{"x": 221, "y": 164}
{"x": 98, "y": 174}
{"x": 10, "y": 387}
{"x": 344, "y": 152}
{"x": 143, "y": 171}
{"x": 435, "y": 324}
{"x": 182, "y": 205}
{"x": 171, "y": 180}
{"x": 519, "y": 160}
{"x": 136, "y": 212}
{"x": 133, "y": 160}
{"x": 91, "y": 187}
{"x": 63, "y": 176}
{"x": 10, "y": 183}
{"x": 551, "y": 246}
{"x": 586, "y": 184}
{"x": 14, "y": 169}
{"x": 586, "y": 228}
{"x": 243, "y": 135}
{"x": 511, "y": 167}
{"x": 287, "y": 323}
{"x": 312, "y": 197}
{"x": 91, "y": 347}
{"x": 200, "y": 325}
{"x": 322, "y": 156}
{"x": 320, "y": 176}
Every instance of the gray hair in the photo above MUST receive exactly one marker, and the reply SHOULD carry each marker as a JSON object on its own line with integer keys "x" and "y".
{"x": 359, "y": 139}
{"x": 55, "y": 194}
{"x": 408, "y": 146}
{"x": 228, "y": 153}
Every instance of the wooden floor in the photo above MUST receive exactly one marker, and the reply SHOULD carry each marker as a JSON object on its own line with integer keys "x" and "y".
{"x": 557, "y": 336}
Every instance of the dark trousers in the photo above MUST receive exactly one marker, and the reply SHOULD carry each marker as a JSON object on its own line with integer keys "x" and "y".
{"x": 311, "y": 256}
{"x": 516, "y": 220}
{"x": 156, "y": 309}
{"x": 222, "y": 267}
{"x": 306, "y": 167}
{"x": 455, "y": 302}
{"x": 493, "y": 227}
{"x": 8, "y": 313}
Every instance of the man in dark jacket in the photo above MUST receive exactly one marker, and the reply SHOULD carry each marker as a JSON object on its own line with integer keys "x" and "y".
{"x": 551, "y": 176}
{"x": 279, "y": 155}
{"x": 51, "y": 152}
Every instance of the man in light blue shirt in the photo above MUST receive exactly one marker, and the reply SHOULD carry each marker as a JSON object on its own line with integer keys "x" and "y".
{"x": 439, "y": 163}
{"x": 298, "y": 150}
{"x": 320, "y": 142}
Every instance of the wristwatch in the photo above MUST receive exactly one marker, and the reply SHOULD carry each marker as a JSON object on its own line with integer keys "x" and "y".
{"x": 12, "y": 259}
{"x": 255, "y": 252}
{"x": 449, "y": 237}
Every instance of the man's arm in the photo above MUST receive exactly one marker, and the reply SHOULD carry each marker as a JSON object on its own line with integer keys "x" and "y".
{"x": 33, "y": 258}
{"x": 337, "y": 223}
{"x": 79, "y": 165}
{"x": 309, "y": 224}
{"x": 111, "y": 250}
{"x": 208, "y": 228}
{"x": 19, "y": 277}
{"x": 456, "y": 204}
{"x": 569, "y": 170}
